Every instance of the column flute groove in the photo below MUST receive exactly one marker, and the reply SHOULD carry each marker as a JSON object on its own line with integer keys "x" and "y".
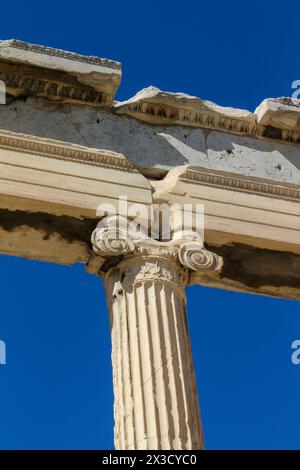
{"x": 156, "y": 403}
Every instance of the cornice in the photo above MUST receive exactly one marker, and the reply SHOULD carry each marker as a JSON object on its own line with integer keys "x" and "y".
{"x": 57, "y": 75}
{"x": 61, "y": 53}
{"x": 164, "y": 114}
{"x": 67, "y": 77}
{"x": 64, "y": 151}
{"x": 54, "y": 87}
{"x": 276, "y": 119}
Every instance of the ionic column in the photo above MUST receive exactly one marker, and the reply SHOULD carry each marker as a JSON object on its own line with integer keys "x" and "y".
{"x": 156, "y": 404}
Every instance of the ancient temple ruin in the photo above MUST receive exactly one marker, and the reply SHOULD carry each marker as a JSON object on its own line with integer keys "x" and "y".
{"x": 67, "y": 147}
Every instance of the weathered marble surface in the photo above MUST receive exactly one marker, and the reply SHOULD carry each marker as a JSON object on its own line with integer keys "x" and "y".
{"x": 29, "y": 70}
{"x": 244, "y": 166}
{"x": 239, "y": 165}
{"x": 153, "y": 146}
{"x": 69, "y": 97}
{"x": 160, "y": 107}
{"x": 280, "y": 113}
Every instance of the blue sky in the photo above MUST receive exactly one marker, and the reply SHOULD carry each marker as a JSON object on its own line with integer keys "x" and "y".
{"x": 56, "y": 388}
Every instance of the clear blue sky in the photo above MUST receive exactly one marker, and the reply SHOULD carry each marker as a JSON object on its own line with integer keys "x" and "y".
{"x": 56, "y": 389}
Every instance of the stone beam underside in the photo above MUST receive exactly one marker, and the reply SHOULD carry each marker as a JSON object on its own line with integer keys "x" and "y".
{"x": 66, "y": 240}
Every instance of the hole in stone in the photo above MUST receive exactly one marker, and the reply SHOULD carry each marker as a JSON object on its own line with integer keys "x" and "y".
{"x": 279, "y": 167}
{"x": 98, "y": 120}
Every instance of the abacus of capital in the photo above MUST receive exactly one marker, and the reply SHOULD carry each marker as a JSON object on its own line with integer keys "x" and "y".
{"x": 67, "y": 147}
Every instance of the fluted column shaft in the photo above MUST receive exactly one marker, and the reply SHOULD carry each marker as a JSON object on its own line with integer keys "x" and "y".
{"x": 156, "y": 404}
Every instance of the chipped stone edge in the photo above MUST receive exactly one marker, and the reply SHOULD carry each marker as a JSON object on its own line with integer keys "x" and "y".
{"x": 153, "y": 106}
{"x": 274, "y": 119}
{"x": 60, "y": 53}
{"x": 101, "y": 75}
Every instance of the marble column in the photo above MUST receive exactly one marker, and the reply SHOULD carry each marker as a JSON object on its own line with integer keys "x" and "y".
{"x": 156, "y": 403}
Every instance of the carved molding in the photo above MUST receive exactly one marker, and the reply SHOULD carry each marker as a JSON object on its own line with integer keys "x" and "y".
{"x": 279, "y": 118}
{"x": 196, "y": 258}
{"x": 274, "y": 119}
{"x": 57, "y": 75}
{"x": 137, "y": 270}
{"x": 57, "y": 86}
{"x": 168, "y": 114}
{"x": 68, "y": 77}
{"x": 109, "y": 241}
{"x": 277, "y": 133}
{"x": 64, "y": 151}
{"x": 61, "y": 53}
{"x": 233, "y": 182}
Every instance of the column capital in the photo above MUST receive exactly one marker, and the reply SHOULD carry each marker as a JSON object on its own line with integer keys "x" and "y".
{"x": 115, "y": 238}
{"x": 156, "y": 405}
